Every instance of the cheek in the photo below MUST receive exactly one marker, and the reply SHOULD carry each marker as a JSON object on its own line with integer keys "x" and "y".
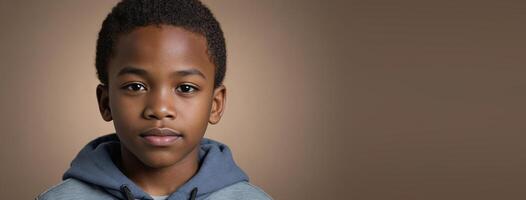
{"x": 125, "y": 113}
{"x": 194, "y": 113}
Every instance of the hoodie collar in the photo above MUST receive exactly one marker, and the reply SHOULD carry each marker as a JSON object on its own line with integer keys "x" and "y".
{"x": 94, "y": 165}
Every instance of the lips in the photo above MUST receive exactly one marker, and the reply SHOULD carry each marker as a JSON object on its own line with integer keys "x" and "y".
{"x": 161, "y": 132}
{"x": 161, "y": 137}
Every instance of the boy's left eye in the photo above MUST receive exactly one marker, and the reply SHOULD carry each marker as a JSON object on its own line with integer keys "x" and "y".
{"x": 186, "y": 88}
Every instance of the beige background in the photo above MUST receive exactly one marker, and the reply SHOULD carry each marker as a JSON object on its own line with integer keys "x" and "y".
{"x": 372, "y": 99}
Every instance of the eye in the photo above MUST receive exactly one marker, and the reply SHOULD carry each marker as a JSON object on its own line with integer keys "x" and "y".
{"x": 135, "y": 87}
{"x": 186, "y": 88}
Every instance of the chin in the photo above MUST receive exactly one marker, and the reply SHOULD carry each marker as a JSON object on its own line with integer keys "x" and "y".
{"x": 160, "y": 159}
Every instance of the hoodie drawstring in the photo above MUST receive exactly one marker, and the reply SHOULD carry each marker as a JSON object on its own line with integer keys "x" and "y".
{"x": 193, "y": 194}
{"x": 127, "y": 193}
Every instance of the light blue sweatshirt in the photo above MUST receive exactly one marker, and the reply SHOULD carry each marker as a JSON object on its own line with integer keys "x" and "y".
{"x": 93, "y": 175}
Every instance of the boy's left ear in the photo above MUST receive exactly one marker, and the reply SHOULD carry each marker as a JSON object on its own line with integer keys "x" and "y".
{"x": 218, "y": 104}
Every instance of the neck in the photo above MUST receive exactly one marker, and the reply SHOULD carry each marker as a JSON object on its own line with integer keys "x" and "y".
{"x": 162, "y": 180}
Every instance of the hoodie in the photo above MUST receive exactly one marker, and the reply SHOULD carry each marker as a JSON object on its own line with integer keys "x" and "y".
{"x": 93, "y": 175}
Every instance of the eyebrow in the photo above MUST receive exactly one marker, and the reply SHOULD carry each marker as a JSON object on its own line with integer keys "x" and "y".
{"x": 132, "y": 70}
{"x": 188, "y": 72}
{"x": 142, "y": 72}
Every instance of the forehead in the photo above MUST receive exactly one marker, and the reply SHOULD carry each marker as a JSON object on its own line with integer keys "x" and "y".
{"x": 162, "y": 48}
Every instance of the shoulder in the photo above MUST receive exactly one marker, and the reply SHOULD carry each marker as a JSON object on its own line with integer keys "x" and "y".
{"x": 73, "y": 189}
{"x": 240, "y": 191}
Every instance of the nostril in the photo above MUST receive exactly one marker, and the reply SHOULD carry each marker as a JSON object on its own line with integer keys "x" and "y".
{"x": 152, "y": 116}
{"x": 169, "y": 116}
{"x": 158, "y": 113}
{"x": 160, "y": 116}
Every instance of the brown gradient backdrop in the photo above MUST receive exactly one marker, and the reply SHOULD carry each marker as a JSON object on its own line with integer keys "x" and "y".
{"x": 326, "y": 99}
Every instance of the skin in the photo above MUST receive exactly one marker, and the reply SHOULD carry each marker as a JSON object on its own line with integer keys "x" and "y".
{"x": 160, "y": 77}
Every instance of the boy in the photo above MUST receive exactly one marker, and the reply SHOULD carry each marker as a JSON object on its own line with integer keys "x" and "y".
{"x": 161, "y": 64}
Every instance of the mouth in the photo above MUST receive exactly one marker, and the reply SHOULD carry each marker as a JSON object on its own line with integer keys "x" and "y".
{"x": 161, "y": 137}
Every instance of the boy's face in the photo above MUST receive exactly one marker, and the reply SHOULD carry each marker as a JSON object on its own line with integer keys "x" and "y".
{"x": 161, "y": 77}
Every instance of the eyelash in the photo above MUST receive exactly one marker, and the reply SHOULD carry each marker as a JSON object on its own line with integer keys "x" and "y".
{"x": 191, "y": 88}
{"x": 128, "y": 87}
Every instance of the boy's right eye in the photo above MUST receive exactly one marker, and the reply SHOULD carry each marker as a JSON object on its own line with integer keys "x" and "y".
{"x": 135, "y": 87}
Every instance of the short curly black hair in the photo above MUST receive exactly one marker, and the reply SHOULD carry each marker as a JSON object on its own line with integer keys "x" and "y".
{"x": 191, "y": 15}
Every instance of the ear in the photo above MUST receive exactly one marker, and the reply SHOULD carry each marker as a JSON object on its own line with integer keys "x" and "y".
{"x": 104, "y": 102}
{"x": 218, "y": 104}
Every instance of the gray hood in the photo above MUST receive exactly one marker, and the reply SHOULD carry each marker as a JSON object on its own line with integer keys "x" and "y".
{"x": 94, "y": 165}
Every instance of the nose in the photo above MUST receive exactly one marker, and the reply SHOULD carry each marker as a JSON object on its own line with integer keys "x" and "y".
{"x": 160, "y": 105}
